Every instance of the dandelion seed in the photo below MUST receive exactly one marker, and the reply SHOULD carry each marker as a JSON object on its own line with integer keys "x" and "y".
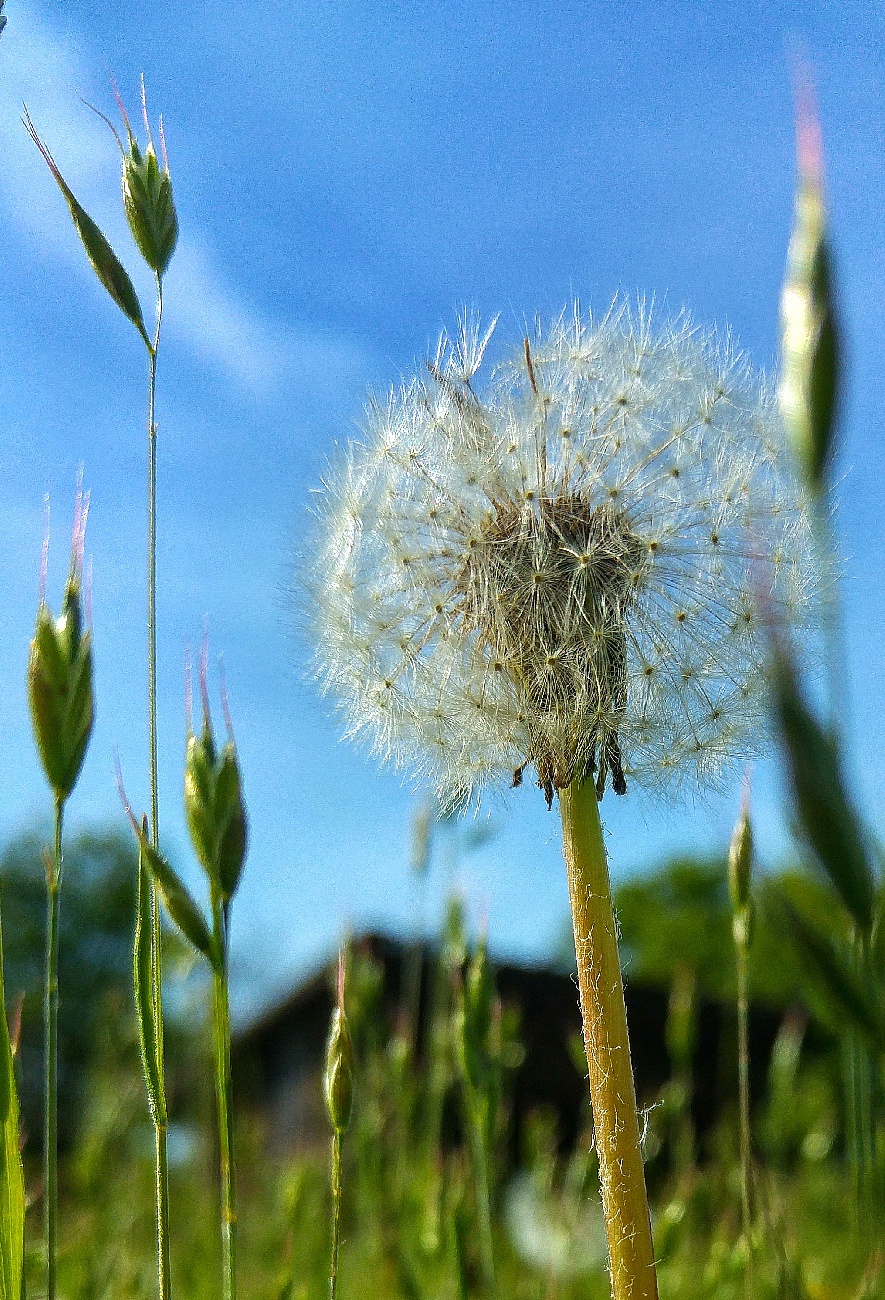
{"x": 571, "y": 559}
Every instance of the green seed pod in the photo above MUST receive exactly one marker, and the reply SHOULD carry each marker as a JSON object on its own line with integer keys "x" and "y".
{"x": 231, "y": 814}
{"x": 475, "y": 1017}
{"x": 148, "y": 202}
{"x": 809, "y": 343}
{"x": 180, "y": 903}
{"x": 60, "y": 692}
{"x": 740, "y": 861}
{"x": 338, "y": 1076}
{"x": 104, "y": 260}
{"x": 199, "y": 801}
{"x": 213, "y": 802}
{"x": 743, "y": 925}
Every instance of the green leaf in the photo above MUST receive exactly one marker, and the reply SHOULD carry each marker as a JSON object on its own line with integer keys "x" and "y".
{"x": 826, "y": 816}
{"x": 146, "y": 1011}
{"x": 849, "y": 1001}
{"x": 12, "y": 1185}
{"x": 105, "y": 263}
{"x": 179, "y": 902}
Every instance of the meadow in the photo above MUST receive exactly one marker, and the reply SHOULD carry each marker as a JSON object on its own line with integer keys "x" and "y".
{"x": 607, "y": 560}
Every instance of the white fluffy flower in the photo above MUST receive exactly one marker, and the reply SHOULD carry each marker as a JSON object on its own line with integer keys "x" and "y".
{"x": 562, "y": 572}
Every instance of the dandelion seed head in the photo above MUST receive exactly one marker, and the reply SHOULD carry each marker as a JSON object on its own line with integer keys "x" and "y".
{"x": 561, "y": 571}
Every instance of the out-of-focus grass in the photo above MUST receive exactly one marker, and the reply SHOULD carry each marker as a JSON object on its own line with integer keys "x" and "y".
{"x": 410, "y": 1228}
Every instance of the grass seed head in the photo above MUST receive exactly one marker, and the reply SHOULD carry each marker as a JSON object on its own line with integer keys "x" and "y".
{"x": 338, "y": 1075}
{"x": 561, "y": 572}
{"x": 740, "y": 876}
{"x": 213, "y": 800}
{"x": 60, "y": 675}
{"x": 475, "y": 1018}
{"x": 147, "y": 194}
{"x": 809, "y": 387}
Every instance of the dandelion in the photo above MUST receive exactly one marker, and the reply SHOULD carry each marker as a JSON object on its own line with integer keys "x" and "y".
{"x": 562, "y": 574}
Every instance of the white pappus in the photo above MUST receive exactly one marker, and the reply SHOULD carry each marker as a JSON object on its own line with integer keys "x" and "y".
{"x": 564, "y": 570}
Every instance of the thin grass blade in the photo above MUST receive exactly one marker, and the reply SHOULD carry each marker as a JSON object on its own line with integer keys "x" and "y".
{"x": 848, "y": 1001}
{"x": 146, "y": 1012}
{"x": 12, "y": 1186}
{"x": 825, "y": 813}
{"x": 104, "y": 260}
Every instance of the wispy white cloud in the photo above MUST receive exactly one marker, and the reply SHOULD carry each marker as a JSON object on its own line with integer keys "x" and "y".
{"x": 261, "y": 354}
{"x": 50, "y": 72}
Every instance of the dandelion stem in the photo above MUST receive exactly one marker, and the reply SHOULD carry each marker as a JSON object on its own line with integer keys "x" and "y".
{"x": 224, "y": 1096}
{"x": 616, "y": 1123}
{"x": 162, "y": 1163}
{"x": 50, "y": 1011}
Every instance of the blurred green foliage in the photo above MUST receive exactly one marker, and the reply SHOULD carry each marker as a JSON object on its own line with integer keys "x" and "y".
{"x": 681, "y": 914}
{"x": 412, "y": 1212}
{"x": 416, "y": 1219}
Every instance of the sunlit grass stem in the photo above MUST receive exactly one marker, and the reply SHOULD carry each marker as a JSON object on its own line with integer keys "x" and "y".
{"x": 338, "y": 1090}
{"x": 615, "y": 1119}
{"x": 160, "y": 1135}
{"x": 336, "y": 1216}
{"x": 223, "y": 1092}
{"x": 50, "y": 1011}
{"x": 743, "y": 1019}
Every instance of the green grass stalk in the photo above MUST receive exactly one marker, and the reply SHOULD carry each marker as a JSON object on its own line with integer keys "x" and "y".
{"x": 743, "y": 1016}
{"x": 336, "y": 1215}
{"x": 50, "y": 1014}
{"x": 440, "y": 1055}
{"x": 861, "y": 1136}
{"x": 224, "y": 1095}
{"x": 615, "y": 1119}
{"x": 160, "y": 1138}
{"x": 478, "y": 1131}
{"x": 861, "y": 1132}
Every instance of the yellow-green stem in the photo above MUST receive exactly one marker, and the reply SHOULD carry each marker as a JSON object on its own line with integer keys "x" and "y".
{"x": 50, "y": 1016}
{"x": 612, "y": 1094}
{"x": 162, "y": 1163}
{"x": 223, "y": 1093}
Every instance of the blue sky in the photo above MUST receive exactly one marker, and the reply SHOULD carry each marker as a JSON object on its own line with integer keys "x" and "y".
{"x": 347, "y": 176}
